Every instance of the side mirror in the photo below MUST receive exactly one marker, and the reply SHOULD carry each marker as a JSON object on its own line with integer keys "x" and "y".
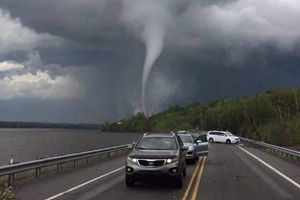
{"x": 184, "y": 148}
{"x": 198, "y": 141}
{"x": 131, "y": 146}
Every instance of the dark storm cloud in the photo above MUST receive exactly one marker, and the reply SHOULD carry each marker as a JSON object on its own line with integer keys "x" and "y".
{"x": 212, "y": 49}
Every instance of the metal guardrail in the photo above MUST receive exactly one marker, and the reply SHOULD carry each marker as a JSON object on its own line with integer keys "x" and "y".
{"x": 37, "y": 165}
{"x": 282, "y": 151}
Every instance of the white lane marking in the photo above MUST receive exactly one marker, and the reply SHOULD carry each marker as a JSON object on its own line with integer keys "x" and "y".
{"x": 272, "y": 168}
{"x": 83, "y": 184}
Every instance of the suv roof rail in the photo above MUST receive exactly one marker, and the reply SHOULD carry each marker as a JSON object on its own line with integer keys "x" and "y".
{"x": 146, "y": 133}
{"x": 171, "y": 133}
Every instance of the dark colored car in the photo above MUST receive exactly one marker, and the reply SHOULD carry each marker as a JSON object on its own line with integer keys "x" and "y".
{"x": 157, "y": 156}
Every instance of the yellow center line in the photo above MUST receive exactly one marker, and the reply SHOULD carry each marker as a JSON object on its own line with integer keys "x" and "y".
{"x": 191, "y": 181}
{"x": 198, "y": 180}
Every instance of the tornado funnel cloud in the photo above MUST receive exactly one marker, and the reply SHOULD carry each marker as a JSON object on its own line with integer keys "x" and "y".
{"x": 148, "y": 19}
{"x": 154, "y": 39}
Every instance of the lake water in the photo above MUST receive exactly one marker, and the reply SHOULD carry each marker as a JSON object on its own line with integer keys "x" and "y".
{"x": 29, "y": 144}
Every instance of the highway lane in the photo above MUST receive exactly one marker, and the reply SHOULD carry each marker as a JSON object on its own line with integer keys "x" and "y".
{"x": 227, "y": 173}
{"x": 113, "y": 187}
{"x": 230, "y": 173}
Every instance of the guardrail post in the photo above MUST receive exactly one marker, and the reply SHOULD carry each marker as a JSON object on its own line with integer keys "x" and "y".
{"x": 11, "y": 179}
{"x": 38, "y": 172}
{"x": 58, "y": 167}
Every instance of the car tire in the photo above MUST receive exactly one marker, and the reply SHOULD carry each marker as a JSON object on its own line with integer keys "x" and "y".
{"x": 211, "y": 140}
{"x": 129, "y": 182}
{"x": 228, "y": 141}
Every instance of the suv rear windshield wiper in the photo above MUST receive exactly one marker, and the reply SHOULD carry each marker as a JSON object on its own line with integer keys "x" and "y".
{"x": 141, "y": 148}
{"x": 152, "y": 149}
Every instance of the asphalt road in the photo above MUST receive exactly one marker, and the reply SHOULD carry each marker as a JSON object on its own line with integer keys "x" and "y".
{"x": 229, "y": 172}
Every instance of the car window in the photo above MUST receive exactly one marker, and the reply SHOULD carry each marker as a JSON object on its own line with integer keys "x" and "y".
{"x": 180, "y": 141}
{"x": 202, "y": 138}
{"x": 157, "y": 143}
{"x": 186, "y": 139}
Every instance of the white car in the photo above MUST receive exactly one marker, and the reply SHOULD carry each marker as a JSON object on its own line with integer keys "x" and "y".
{"x": 222, "y": 136}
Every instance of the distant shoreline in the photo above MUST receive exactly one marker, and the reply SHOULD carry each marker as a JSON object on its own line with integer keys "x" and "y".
{"x": 7, "y": 124}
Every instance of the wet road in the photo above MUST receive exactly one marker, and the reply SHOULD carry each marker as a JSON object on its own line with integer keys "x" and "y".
{"x": 228, "y": 172}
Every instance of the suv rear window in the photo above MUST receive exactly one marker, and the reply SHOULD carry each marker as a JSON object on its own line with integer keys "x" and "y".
{"x": 215, "y": 133}
{"x": 157, "y": 143}
{"x": 187, "y": 139}
{"x": 202, "y": 138}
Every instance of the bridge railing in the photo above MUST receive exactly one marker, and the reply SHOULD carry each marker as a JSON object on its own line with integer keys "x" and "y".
{"x": 58, "y": 161}
{"x": 282, "y": 151}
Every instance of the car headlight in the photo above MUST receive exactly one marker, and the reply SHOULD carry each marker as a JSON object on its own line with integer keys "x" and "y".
{"x": 191, "y": 148}
{"x": 172, "y": 160}
{"x": 130, "y": 159}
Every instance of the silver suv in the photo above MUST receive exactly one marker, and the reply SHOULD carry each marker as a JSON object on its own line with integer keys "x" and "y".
{"x": 196, "y": 146}
{"x": 157, "y": 156}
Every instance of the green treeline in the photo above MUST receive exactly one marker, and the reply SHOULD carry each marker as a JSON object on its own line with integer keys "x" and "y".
{"x": 272, "y": 117}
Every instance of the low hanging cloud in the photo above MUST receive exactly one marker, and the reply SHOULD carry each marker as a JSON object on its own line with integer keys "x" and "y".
{"x": 39, "y": 86}
{"x": 30, "y": 78}
{"x": 203, "y": 50}
{"x": 250, "y": 22}
{"x": 8, "y": 66}
{"x": 14, "y": 36}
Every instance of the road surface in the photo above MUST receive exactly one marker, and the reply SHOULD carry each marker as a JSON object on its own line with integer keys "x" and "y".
{"x": 232, "y": 172}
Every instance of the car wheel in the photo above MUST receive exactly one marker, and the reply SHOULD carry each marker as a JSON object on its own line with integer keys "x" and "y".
{"x": 211, "y": 140}
{"x": 228, "y": 141}
{"x": 129, "y": 182}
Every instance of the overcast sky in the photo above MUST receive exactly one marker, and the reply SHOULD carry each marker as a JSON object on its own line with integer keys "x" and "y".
{"x": 82, "y": 60}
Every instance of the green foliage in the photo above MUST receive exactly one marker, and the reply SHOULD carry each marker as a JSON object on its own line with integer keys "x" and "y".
{"x": 6, "y": 193}
{"x": 136, "y": 123}
{"x": 272, "y": 116}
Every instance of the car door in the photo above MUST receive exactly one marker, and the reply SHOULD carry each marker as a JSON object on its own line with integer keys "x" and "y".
{"x": 211, "y": 135}
{"x": 201, "y": 145}
{"x": 216, "y": 136}
{"x": 182, "y": 153}
{"x": 222, "y": 137}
